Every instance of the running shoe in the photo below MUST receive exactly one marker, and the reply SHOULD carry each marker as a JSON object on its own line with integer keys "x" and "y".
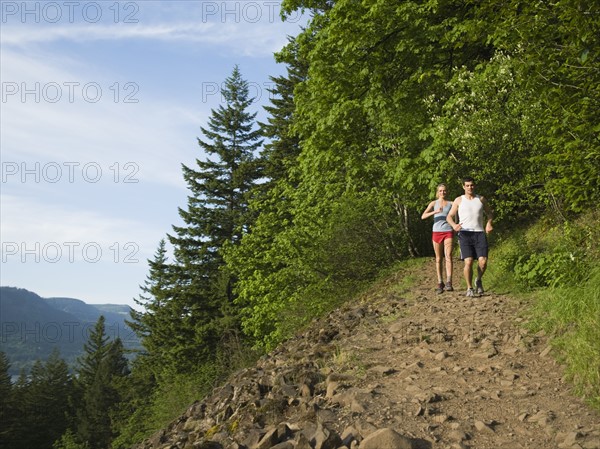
{"x": 449, "y": 287}
{"x": 470, "y": 292}
{"x": 440, "y": 288}
{"x": 479, "y": 286}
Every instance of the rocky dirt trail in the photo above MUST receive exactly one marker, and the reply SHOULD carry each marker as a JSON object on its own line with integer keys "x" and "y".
{"x": 400, "y": 368}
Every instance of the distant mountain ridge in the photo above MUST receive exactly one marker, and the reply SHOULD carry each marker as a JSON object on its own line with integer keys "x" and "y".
{"x": 32, "y": 326}
{"x": 88, "y": 312}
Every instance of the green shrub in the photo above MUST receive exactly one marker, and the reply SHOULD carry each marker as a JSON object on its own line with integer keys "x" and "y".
{"x": 69, "y": 441}
{"x": 560, "y": 263}
{"x": 551, "y": 256}
{"x": 173, "y": 394}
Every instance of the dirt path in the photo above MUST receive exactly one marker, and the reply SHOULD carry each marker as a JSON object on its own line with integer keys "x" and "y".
{"x": 444, "y": 371}
{"x": 463, "y": 372}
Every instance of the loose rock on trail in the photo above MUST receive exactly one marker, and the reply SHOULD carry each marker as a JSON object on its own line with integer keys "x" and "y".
{"x": 401, "y": 367}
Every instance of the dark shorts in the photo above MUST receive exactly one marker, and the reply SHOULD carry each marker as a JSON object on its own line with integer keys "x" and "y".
{"x": 472, "y": 244}
{"x": 439, "y": 237}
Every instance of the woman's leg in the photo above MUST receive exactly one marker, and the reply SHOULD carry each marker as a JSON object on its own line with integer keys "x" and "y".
{"x": 448, "y": 246}
{"x": 437, "y": 249}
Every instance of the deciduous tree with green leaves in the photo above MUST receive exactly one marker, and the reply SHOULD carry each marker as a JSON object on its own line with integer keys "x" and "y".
{"x": 557, "y": 48}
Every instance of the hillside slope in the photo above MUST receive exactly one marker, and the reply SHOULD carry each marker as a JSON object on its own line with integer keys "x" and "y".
{"x": 87, "y": 313}
{"x": 402, "y": 367}
{"x": 32, "y": 326}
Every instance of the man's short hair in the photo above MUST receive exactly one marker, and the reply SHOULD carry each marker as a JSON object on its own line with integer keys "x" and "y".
{"x": 468, "y": 179}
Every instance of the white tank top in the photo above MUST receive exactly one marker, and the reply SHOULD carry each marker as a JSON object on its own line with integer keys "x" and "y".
{"x": 470, "y": 214}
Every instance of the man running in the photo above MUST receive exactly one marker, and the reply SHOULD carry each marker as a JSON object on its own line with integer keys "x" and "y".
{"x": 471, "y": 233}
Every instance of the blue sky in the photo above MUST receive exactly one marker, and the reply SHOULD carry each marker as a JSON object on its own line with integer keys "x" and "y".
{"x": 101, "y": 104}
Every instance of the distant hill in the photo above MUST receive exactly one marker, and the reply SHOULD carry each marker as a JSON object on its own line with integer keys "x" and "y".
{"x": 115, "y": 315}
{"x": 114, "y": 308}
{"x": 32, "y": 326}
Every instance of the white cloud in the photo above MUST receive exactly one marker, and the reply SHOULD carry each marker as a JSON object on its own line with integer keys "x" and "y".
{"x": 23, "y": 35}
{"x": 29, "y": 221}
{"x": 244, "y": 38}
{"x": 149, "y": 133}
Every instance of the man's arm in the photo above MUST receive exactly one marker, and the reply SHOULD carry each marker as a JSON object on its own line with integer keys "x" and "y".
{"x": 489, "y": 214}
{"x": 452, "y": 214}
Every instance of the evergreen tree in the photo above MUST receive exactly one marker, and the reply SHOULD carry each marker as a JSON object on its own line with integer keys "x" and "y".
{"x": 216, "y": 214}
{"x": 157, "y": 322}
{"x": 95, "y": 349}
{"x": 280, "y": 153}
{"x": 7, "y": 411}
{"x": 132, "y": 418}
{"x": 155, "y": 325}
{"x": 54, "y": 387}
{"x": 217, "y": 208}
{"x": 101, "y": 369}
{"x": 19, "y": 413}
{"x": 48, "y": 387}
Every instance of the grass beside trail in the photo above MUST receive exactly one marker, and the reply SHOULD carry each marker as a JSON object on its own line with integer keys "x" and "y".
{"x": 571, "y": 314}
{"x": 555, "y": 267}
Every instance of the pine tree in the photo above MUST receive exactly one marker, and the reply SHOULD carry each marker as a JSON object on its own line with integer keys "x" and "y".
{"x": 7, "y": 411}
{"x": 132, "y": 420}
{"x": 19, "y": 412}
{"x": 48, "y": 387}
{"x": 280, "y": 153}
{"x": 216, "y": 215}
{"x": 54, "y": 386}
{"x": 217, "y": 208}
{"x": 95, "y": 348}
{"x": 157, "y": 322}
{"x": 101, "y": 369}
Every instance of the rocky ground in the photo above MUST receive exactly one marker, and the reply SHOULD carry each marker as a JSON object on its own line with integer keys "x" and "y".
{"x": 400, "y": 368}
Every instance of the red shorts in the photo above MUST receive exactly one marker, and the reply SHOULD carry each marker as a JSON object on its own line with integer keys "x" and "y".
{"x": 439, "y": 237}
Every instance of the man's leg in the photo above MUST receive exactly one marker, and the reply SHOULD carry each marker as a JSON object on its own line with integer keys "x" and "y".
{"x": 481, "y": 266}
{"x": 481, "y": 250}
{"x": 466, "y": 254}
{"x": 468, "y": 272}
